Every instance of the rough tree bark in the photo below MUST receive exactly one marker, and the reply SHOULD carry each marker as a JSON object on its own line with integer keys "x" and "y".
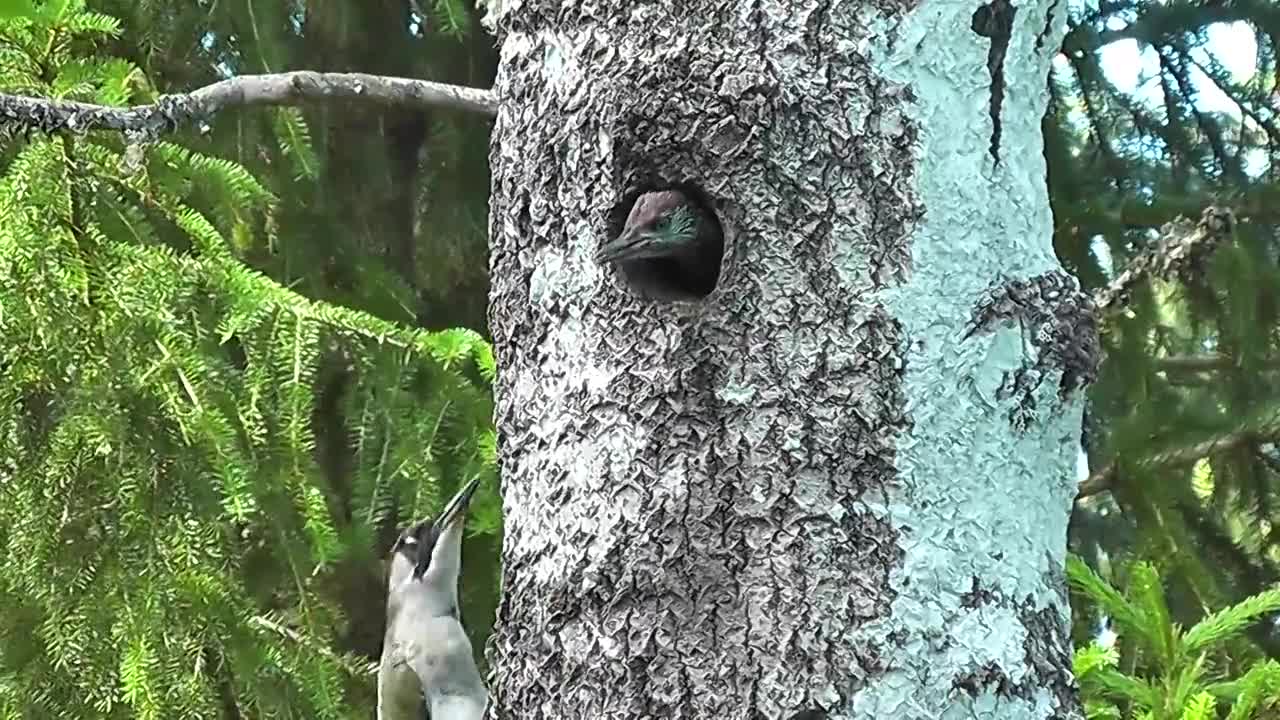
{"x": 839, "y": 485}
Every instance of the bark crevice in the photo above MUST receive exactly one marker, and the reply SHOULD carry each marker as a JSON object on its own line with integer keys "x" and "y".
{"x": 995, "y": 22}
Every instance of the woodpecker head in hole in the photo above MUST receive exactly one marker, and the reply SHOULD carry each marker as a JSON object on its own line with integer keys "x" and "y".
{"x": 662, "y": 224}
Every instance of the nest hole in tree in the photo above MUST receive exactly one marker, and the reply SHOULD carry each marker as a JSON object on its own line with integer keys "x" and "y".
{"x": 668, "y": 279}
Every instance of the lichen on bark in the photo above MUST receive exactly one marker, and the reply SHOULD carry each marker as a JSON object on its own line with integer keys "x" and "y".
{"x": 722, "y": 508}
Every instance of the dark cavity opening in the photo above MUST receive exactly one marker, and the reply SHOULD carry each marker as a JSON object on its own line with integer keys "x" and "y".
{"x": 686, "y": 276}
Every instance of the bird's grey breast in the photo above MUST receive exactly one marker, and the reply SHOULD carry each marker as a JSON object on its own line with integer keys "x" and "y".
{"x": 442, "y": 653}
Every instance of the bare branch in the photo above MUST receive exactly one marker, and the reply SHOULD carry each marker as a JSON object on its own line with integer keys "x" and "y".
{"x": 356, "y": 668}
{"x": 1195, "y": 363}
{"x": 1204, "y": 363}
{"x": 1181, "y": 252}
{"x": 293, "y": 88}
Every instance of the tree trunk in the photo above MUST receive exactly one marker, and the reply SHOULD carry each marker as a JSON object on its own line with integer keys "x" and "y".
{"x": 838, "y": 486}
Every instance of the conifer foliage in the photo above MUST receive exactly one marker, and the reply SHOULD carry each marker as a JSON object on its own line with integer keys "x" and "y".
{"x": 213, "y": 408}
{"x": 173, "y": 543}
{"x": 1168, "y": 672}
{"x": 1184, "y": 418}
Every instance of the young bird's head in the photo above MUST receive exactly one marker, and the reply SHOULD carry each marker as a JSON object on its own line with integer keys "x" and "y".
{"x": 430, "y": 552}
{"x": 661, "y": 224}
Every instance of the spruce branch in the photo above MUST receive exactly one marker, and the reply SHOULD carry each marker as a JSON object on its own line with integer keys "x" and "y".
{"x": 1228, "y": 621}
{"x": 279, "y": 89}
{"x": 1265, "y": 431}
{"x": 1088, "y": 74}
{"x": 1206, "y": 363}
{"x": 1159, "y": 23}
{"x": 1253, "y": 203}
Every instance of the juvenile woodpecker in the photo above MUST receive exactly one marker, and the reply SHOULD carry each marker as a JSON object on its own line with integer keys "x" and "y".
{"x": 426, "y": 655}
{"x": 668, "y": 227}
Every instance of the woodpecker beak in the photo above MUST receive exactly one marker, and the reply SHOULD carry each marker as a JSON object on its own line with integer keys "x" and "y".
{"x": 445, "y": 554}
{"x": 456, "y": 510}
{"x": 631, "y": 244}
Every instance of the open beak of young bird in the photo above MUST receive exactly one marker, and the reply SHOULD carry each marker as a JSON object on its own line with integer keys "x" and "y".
{"x": 456, "y": 510}
{"x": 446, "y": 551}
